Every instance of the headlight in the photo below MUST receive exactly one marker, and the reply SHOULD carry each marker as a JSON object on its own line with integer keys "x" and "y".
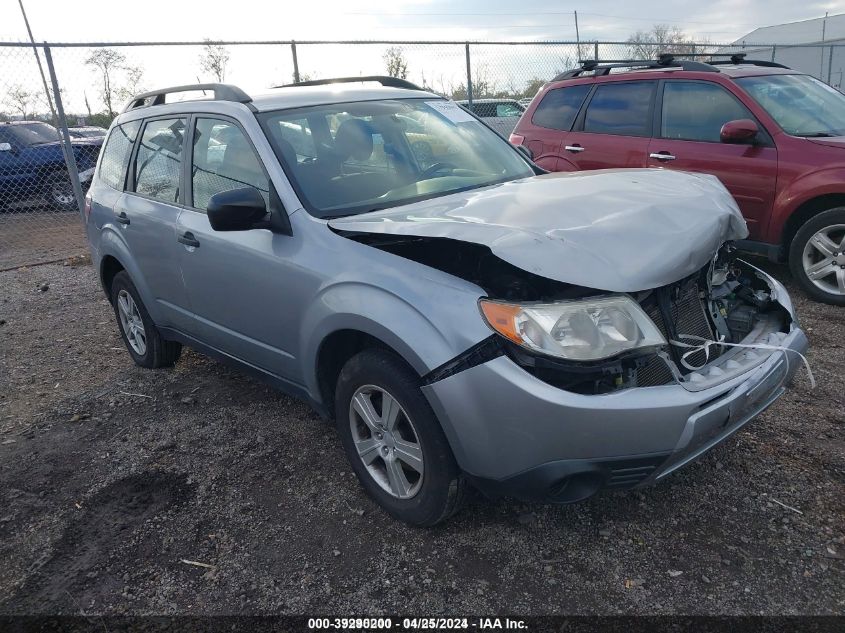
{"x": 589, "y": 329}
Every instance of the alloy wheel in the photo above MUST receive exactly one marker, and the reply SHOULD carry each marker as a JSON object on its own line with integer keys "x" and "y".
{"x": 823, "y": 259}
{"x": 131, "y": 322}
{"x": 386, "y": 441}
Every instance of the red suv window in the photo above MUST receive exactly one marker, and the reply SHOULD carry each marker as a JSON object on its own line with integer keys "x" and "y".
{"x": 697, "y": 110}
{"x": 559, "y": 107}
{"x": 621, "y": 108}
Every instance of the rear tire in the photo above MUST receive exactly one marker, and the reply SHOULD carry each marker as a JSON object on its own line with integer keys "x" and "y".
{"x": 140, "y": 335}
{"x": 817, "y": 257}
{"x": 395, "y": 448}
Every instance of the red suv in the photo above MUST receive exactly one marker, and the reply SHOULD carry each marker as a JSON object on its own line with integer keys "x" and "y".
{"x": 773, "y": 136}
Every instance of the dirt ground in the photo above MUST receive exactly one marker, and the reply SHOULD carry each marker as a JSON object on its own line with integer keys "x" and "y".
{"x": 31, "y": 235}
{"x": 199, "y": 491}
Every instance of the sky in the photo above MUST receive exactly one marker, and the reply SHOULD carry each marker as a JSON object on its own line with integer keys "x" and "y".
{"x": 443, "y": 67}
{"x": 81, "y": 20}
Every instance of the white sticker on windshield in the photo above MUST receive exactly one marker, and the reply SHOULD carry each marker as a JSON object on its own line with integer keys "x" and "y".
{"x": 451, "y": 110}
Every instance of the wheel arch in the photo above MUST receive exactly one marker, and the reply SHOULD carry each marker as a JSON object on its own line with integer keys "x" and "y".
{"x": 804, "y": 212}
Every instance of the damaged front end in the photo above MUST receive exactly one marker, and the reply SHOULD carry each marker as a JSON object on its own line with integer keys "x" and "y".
{"x": 710, "y": 326}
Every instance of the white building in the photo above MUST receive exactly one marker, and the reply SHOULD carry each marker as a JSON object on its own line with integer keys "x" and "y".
{"x": 815, "y": 47}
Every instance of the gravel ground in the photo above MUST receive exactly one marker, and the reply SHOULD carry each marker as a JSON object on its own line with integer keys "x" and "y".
{"x": 111, "y": 477}
{"x": 30, "y": 235}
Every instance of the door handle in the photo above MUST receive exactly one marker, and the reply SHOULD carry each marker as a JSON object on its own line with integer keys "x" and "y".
{"x": 188, "y": 239}
{"x": 122, "y": 217}
{"x": 662, "y": 156}
{"x": 574, "y": 148}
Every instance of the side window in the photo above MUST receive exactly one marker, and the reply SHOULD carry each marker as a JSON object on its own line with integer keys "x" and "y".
{"x": 116, "y": 154}
{"x": 697, "y": 110}
{"x": 508, "y": 109}
{"x": 621, "y": 108}
{"x": 558, "y": 109}
{"x": 158, "y": 163}
{"x": 223, "y": 159}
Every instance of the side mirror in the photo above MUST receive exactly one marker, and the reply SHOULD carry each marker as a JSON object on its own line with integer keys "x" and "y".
{"x": 5, "y": 147}
{"x": 236, "y": 210}
{"x": 739, "y": 131}
{"x": 527, "y": 151}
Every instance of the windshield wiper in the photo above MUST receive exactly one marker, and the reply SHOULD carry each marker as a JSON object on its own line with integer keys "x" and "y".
{"x": 817, "y": 135}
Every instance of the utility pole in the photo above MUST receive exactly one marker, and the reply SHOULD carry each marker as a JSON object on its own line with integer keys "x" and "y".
{"x": 577, "y": 37}
{"x": 821, "y": 56}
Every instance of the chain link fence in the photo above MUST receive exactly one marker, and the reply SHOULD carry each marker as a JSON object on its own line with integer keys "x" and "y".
{"x": 85, "y": 85}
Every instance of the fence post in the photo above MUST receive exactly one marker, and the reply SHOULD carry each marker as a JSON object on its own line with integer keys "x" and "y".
{"x": 596, "y": 50}
{"x": 295, "y": 62}
{"x": 829, "y": 64}
{"x": 469, "y": 77}
{"x": 774, "y": 48}
{"x": 67, "y": 148}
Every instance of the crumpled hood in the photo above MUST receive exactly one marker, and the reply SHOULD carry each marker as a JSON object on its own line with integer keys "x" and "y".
{"x": 620, "y": 230}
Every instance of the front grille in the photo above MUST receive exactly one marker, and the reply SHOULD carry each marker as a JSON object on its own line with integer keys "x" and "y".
{"x": 689, "y": 316}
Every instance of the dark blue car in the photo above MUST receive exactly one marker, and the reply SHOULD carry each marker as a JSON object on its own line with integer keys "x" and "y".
{"x": 32, "y": 165}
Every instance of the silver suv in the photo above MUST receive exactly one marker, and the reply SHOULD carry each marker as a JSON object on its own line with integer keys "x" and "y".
{"x": 462, "y": 316}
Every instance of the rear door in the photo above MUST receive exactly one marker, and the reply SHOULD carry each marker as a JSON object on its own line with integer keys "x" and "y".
{"x": 689, "y": 119}
{"x": 147, "y": 215}
{"x": 614, "y": 129}
{"x": 551, "y": 123}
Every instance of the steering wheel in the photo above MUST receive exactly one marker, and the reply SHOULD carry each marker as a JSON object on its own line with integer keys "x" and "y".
{"x": 433, "y": 169}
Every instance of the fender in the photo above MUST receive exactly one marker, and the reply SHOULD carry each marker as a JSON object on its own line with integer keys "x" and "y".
{"x": 811, "y": 184}
{"x": 112, "y": 243}
{"x": 373, "y": 310}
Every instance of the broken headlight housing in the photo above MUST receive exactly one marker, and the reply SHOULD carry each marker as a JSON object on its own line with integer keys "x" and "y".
{"x": 582, "y": 330}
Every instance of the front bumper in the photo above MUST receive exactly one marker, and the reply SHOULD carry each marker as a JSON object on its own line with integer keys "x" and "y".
{"x": 514, "y": 434}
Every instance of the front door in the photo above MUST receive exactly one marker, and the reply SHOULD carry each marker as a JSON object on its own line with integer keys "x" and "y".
{"x": 692, "y": 114}
{"x": 236, "y": 280}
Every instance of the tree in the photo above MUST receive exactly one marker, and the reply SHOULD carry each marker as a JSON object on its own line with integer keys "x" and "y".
{"x": 397, "y": 65}
{"x": 213, "y": 60}
{"x": 661, "y": 38}
{"x": 107, "y": 63}
{"x": 20, "y": 99}
{"x": 531, "y": 88}
{"x": 132, "y": 85}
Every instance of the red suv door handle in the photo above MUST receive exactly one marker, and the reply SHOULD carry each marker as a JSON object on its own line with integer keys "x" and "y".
{"x": 574, "y": 148}
{"x": 662, "y": 156}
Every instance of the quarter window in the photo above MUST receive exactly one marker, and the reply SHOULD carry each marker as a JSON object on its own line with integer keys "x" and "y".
{"x": 224, "y": 160}
{"x": 158, "y": 164}
{"x": 621, "y": 108}
{"x": 558, "y": 109}
{"x": 116, "y": 154}
{"x": 696, "y": 110}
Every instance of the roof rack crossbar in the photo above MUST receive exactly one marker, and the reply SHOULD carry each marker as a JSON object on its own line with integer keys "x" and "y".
{"x": 222, "y": 92}
{"x": 603, "y": 67}
{"x": 384, "y": 80}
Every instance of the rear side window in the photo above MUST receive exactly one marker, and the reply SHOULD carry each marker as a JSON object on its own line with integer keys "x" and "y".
{"x": 158, "y": 164}
{"x": 558, "y": 109}
{"x": 621, "y": 108}
{"x": 696, "y": 110}
{"x": 116, "y": 154}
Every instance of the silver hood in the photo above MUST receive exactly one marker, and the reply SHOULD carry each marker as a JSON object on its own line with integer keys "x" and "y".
{"x": 620, "y": 230}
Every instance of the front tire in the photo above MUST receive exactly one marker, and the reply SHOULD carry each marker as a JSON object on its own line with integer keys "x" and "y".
{"x": 140, "y": 335}
{"x": 59, "y": 194}
{"x": 393, "y": 440}
{"x": 817, "y": 257}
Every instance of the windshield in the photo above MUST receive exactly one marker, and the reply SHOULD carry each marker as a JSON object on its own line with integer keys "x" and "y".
{"x": 801, "y": 105}
{"x": 350, "y": 158}
{"x": 33, "y": 133}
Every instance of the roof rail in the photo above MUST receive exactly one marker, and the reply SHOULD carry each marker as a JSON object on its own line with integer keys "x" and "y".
{"x": 603, "y": 67}
{"x": 222, "y": 92}
{"x": 384, "y": 80}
